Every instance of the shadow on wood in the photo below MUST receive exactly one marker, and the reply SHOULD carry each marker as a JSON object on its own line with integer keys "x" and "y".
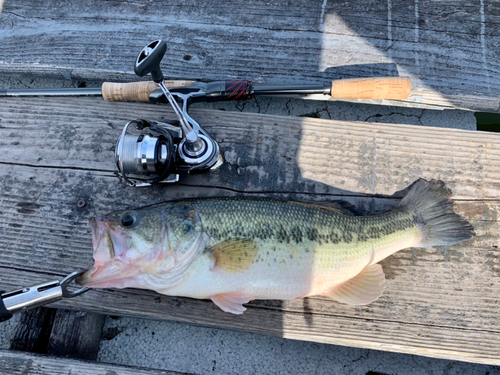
{"x": 60, "y": 333}
{"x": 34, "y": 330}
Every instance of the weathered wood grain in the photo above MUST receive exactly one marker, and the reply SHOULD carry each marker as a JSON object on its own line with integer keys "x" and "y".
{"x": 17, "y": 363}
{"x": 75, "y": 334}
{"x": 61, "y": 333}
{"x": 33, "y": 332}
{"x": 314, "y": 156}
{"x": 450, "y": 49}
{"x": 440, "y": 302}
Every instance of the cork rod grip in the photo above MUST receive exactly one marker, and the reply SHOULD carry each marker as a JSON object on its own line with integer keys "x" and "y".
{"x": 114, "y": 92}
{"x": 372, "y": 88}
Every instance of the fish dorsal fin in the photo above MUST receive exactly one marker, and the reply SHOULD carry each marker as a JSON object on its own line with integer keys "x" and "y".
{"x": 234, "y": 255}
{"x": 339, "y": 207}
{"x": 231, "y": 302}
{"x": 362, "y": 289}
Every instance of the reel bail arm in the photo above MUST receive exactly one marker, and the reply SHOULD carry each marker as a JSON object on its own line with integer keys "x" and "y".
{"x": 166, "y": 150}
{"x": 147, "y": 62}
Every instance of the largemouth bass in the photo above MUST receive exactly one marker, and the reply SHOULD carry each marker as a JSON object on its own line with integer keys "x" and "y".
{"x": 233, "y": 250}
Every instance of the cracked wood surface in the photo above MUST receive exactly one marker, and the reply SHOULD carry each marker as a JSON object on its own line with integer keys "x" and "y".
{"x": 450, "y": 49}
{"x": 18, "y": 363}
{"x": 439, "y": 302}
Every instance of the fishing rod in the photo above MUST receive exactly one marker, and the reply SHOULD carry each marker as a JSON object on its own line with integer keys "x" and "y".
{"x": 390, "y": 88}
{"x": 150, "y": 152}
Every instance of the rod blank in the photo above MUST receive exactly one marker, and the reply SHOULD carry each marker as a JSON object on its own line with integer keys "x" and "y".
{"x": 53, "y": 92}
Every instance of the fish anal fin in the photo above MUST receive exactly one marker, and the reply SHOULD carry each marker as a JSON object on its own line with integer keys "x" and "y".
{"x": 231, "y": 302}
{"x": 234, "y": 255}
{"x": 362, "y": 289}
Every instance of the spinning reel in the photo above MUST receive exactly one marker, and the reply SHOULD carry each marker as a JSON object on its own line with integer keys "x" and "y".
{"x": 150, "y": 152}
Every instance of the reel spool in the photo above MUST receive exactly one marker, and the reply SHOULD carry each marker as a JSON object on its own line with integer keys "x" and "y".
{"x": 151, "y": 154}
{"x": 156, "y": 152}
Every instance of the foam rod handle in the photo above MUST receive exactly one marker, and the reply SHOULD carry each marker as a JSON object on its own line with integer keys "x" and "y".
{"x": 139, "y": 91}
{"x": 372, "y": 88}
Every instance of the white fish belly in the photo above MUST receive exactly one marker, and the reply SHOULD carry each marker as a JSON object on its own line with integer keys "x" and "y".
{"x": 258, "y": 282}
{"x": 286, "y": 275}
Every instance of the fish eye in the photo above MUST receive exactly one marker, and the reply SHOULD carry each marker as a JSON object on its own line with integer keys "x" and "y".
{"x": 188, "y": 226}
{"x": 127, "y": 219}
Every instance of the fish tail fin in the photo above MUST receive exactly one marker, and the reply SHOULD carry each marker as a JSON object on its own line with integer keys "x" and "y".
{"x": 429, "y": 202}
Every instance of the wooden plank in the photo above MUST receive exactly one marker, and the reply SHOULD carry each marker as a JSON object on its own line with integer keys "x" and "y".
{"x": 76, "y": 334}
{"x": 450, "y": 49}
{"x": 18, "y": 363}
{"x": 440, "y": 302}
{"x": 33, "y": 332}
{"x": 61, "y": 333}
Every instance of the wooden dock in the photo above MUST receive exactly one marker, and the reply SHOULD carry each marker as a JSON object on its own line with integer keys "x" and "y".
{"x": 57, "y": 153}
{"x": 439, "y": 302}
{"x": 449, "y": 49}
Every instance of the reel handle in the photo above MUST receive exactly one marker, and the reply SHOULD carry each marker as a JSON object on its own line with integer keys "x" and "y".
{"x": 371, "y": 88}
{"x": 137, "y": 91}
{"x": 149, "y": 60}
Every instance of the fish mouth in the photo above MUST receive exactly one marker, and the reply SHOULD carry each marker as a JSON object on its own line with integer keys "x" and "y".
{"x": 96, "y": 232}
{"x": 112, "y": 274}
{"x": 108, "y": 269}
{"x": 95, "y": 275}
{"x": 84, "y": 278}
{"x": 103, "y": 240}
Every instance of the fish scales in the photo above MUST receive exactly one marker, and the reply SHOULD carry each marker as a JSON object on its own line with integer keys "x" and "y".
{"x": 233, "y": 250}
{"x": 255, "y": 219}
{"x": 315, "y": 230}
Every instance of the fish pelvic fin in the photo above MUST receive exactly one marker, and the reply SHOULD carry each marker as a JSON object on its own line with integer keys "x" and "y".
{"x": 429, "y": 202}
{"x": 234, "y": 255}
{"x": 231, "y": 302}
{"x": 364, "y": 288}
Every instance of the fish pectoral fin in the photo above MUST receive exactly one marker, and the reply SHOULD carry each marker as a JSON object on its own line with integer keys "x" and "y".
{"x": 362, "y": 289}
{"x": 231, "y": 302}
{"x": 235, "y": 255}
